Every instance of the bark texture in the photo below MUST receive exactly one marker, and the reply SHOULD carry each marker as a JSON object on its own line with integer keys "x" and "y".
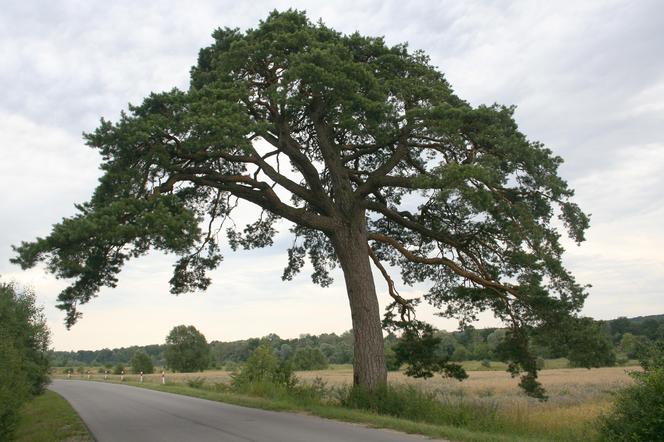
{"x": 369, "y": 367}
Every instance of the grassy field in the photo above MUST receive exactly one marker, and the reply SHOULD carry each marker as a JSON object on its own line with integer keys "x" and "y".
{"x": 50, "y": 418}
{"x": 577, "y": 397}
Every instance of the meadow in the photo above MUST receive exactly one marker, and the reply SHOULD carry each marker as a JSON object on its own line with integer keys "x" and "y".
{"x": 492, "y": 398}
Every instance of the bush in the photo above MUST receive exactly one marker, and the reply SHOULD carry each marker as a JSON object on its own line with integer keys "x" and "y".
{"x": 141, "y": 362}
{"x": 231, "y": 366}
{"x": 309, "y": 358}
{"x": 118, "y": 369}
{"x": 24, "y": 364}
{"x": 638, "y": 413}
{"x": 263, "y": 366}
{"x": 393, "y": 364}
{"x": 14, "y": 388}
{"x": 196, "y": 382}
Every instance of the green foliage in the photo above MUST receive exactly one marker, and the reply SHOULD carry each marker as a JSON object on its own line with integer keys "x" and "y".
{"x": 24, "y": 364}
{"x": 589, "y": 344}
{"x": 364, "y": 127}
{"x": 391, "y": 360}
{"x": 309, "y": 358}
{"x": 632, "y": 346}
{"x": 14, "y": 387}
{"x": 118, "y": 369}
{"x": 186, "y": 349}
{"x": 417, "y": 348}
{"x": 263, "y": 366}
{"x": 141, "y": 363}
{"x": 638, "y": 413}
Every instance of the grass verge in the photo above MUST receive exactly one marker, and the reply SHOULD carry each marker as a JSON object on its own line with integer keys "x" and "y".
{"x": 503, "y": 431}
{"x": 50, "y": 418}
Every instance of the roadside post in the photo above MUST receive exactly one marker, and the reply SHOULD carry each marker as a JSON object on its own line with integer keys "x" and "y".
{"x": 163, "y": 377}
{"x": 69, "y": 374}
{"x": 88, "y": 375}
{"x": 122, "y": 376}
{"x": 141, "y": 377}
{"x": 106, "y": 375}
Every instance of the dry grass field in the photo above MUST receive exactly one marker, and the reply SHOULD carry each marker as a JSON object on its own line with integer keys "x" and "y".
{"x": 577, "y": 396}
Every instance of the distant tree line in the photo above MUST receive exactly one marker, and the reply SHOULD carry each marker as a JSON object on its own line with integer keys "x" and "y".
{"x": 621, "y": 338}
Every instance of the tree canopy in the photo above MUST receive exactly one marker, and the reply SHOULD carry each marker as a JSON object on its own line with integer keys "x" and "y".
{"x": 365, "y": 149}
{"x": 186, "y": 349}
{"x": 141, "y": 363}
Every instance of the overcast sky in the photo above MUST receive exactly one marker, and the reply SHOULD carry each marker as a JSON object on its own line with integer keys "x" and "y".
{"x": 587, "y": 78}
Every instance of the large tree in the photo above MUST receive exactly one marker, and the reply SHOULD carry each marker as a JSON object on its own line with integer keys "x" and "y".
{"x": 370, "y": 156}
{"x": 187, "y": 349}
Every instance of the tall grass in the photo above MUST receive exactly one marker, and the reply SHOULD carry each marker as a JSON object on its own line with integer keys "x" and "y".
{"x": 410, "y": 402}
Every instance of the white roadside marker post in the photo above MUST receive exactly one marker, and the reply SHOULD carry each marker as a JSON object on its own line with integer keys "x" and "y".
{"x": 106, "y": 375}
{"x": 141, "y": 377}
{"x": 122, "y": 376}
{"x": 88, "y": 375}
{"x": 69, "y": 374}
{"x": 163, "y": 378}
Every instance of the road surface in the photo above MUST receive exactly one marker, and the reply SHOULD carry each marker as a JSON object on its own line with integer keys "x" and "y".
{"x": 116, "y": 412}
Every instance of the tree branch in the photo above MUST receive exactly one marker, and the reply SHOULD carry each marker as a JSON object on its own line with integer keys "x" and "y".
{"x": 407, "y": 310}
{"x": 257, "y": 192}
{"x": 456, "y": 268}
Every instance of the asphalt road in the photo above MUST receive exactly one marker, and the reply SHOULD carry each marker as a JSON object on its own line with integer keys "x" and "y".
{"x": 115, "y": 412}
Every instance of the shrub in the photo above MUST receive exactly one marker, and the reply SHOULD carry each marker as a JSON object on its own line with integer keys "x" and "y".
{"x": 393, "y": 364}
{"x": 622, "y": 360}
{"x": 14, "y": 388}
{"x": 141, "y": 362}
{"x": 24, "y": 364}
{"x": 309, "y": 358}
{"x": 638, "y": 413}
{"x": 221, "y": 387}
{"x": 263, "y": 366}
{"x": 118, "y": 369}
{"x": 196, "y": 382}
{"x": 486, "y": 363}
{"x": 231, "y": 366}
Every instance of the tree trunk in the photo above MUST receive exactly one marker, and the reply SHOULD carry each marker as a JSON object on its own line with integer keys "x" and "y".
{"x": 350, "y": 244}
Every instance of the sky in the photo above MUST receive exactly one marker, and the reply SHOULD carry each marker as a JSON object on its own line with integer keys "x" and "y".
{"x": 587, "y": 79}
